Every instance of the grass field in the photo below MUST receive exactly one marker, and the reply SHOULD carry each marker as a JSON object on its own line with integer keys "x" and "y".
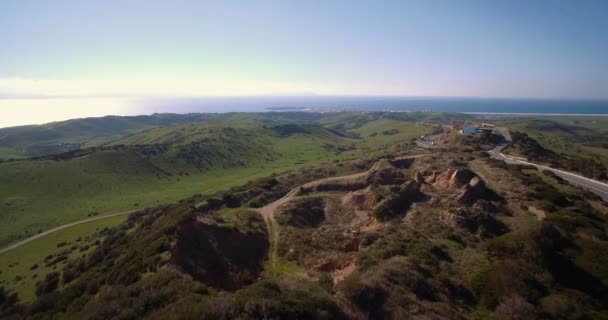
{"x": 16, "y": 266}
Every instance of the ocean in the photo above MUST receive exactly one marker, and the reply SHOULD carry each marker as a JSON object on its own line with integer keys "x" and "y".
{"x": 335, "y": 103}
{"x": 42, "y": 110}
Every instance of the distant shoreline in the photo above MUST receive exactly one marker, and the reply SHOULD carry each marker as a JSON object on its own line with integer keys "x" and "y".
{"x": 540, "y": 114}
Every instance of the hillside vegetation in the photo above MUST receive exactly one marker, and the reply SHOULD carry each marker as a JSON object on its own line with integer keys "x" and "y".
{"x": 63, "y": 136}
{"x": 162, "y": 165}
{"x": 303, "y": 216}
{"x": 409, "y": 237}
{"x": 590, "y": 166}
{"x": 576, "y": 142}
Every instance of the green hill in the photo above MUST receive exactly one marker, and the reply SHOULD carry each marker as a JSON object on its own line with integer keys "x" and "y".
{"x": 155, "y": 166}
{"x": 415, "y": 237}
{"x": 58, "y": 137}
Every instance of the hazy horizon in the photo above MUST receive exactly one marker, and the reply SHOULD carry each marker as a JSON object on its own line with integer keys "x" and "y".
{"x": 96, "y": 58}
{"x": 65, "y": 109}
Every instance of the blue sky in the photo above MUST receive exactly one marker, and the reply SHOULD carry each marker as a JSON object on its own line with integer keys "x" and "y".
{"x": 111, "y": 49}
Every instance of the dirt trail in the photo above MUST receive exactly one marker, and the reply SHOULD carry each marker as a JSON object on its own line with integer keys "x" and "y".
{"x": 268, "y": 210}
{"x": 45, "y": 233}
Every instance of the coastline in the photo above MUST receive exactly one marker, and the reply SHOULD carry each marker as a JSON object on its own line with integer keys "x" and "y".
{"x": 539, "y": 114}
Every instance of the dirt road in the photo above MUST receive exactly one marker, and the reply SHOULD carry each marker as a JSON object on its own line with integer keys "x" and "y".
{"x": 268, "y": 210}
{"x": 45, "y": 233}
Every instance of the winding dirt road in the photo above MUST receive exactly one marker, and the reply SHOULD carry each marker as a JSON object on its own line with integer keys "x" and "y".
{"x": 45, "y": 233}
{"x": 268, "y": 210}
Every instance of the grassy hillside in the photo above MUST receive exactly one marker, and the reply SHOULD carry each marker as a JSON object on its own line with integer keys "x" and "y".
{"x": 28, "y": 264}
{"x": 575, "y": 145}
{"x": 449, "y": 235}
{"x": 156, "y": 166}
{"x": 430, "y": 237}
{"x": 57, "y": 137}
{"x": 578, "y": 137}
{"x": 164, "y": 164}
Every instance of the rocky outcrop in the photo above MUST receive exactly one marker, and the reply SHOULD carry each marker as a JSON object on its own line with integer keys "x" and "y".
{"x": 387, "y": 176}
{"x": 480, "y": 219}
{"x": 397, "y": 201}
{"x": 461, "y": 177}
{"x": 474, "y": 190}
{"x": 362, "y": 199}
{"x": 471, "y": 187}
{"x": 302, "y": 213}
{"x": 449, "y": 178}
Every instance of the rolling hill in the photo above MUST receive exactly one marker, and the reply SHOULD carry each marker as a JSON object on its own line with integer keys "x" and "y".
{"x": 63, "y": 136}
{"x": 396, "y": 237}
{"x": 155, "y": 166}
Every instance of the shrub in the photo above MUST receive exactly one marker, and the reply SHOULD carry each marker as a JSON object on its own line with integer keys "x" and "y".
{"x": 48, "y": 285}
{"x": 7, "y": 298}
{"x": 502, "y": 280}
{"x": 367, "y": 297}
{"x": 326, "y": 281}
{"x": 514, "y": 307}
{"x": 44, "y": 302}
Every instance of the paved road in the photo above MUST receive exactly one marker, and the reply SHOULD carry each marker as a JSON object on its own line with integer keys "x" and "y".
{"x": 45, "y": 233}
{"x": 428, "y": 141}
{"x": 597, "y": 187}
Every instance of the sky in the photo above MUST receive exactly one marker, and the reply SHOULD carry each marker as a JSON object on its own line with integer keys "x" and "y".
{"x": 63, "y": 59}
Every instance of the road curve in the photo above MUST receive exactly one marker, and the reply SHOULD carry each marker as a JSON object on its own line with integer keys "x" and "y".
{"x": 597, "y": 187}
{"x": 45, "y": 233}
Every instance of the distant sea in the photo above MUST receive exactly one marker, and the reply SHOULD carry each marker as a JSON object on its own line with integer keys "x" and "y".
{"x": 334, "y": 103}
{"x": 22, "y": 111}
